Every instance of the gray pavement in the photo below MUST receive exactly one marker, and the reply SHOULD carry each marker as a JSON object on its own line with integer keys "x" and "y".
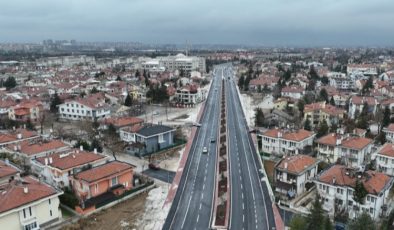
{"x": 192, "y": 205}
{"x": 160, "y": 174}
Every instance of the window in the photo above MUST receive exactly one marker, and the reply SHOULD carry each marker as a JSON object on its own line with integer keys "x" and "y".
{"x": 49, "y": 201}
{"x": 30, "y": 226}
{"x": 30, "y": 211}
{"x": 114, "y": 181}
{"x": 50, "y": 212}
{"x": 24, "y": 213}
{"x": 161, "y": 138}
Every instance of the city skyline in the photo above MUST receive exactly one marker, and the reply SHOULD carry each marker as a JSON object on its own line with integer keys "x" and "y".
{"x": 262, "y": 23}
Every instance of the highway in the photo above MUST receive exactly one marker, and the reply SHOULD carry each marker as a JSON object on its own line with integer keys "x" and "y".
{"x": 251, "y": 207}
{"x": 193, "y": 203}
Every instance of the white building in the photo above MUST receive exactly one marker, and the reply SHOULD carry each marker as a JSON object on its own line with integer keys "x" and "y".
{"x": 384, "y": 159}
{"x": 178, "y": 62}
{"x": 389, "y": 131}
{"x": 356, "y": 105}
{"x": 365, "y": 69}
{"x": 293, "y": 173}
{"x": 295, "y": 92}
{"x": 56, "y": 168}
{"x": 354, "y": 151}
{"x": 28, "y": 204}
{"x": 91, "y": 107}
{"x": 341, "y": 81}
{"x": 285, "y": 142}
{"x": 190, "y": 94}
{"x": 336, "y": 188}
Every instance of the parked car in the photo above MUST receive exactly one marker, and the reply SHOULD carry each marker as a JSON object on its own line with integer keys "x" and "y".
{"x": 154, "y": 166}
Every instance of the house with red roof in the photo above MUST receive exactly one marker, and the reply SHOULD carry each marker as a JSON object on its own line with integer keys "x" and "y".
{"x": 389, "y": 131}
{"x": 262, "y": 81}
{"x": 27, "y": 203}
{"x": 285, "y": 142}
{"x": 110, "y": 179}
{"x": 336, "y": 187}
{"x": 354, "y": 151}
{"x": 28, "y": 110}
{"x": 28, "y": 150}
{"x": 384, "y": 159}
{"x": 56, "y": 168}
{"x": 293, "y": 173}
{"x": 91, "y": 107}
{"x": 356, "y": 105}
{"x": 319, "y": 111}
{"x": 190, "y": 94}
{"x": 296, "y": 92}
{"x": 17, "y": 135}
{"x": 8, "y": 172}
{"x": 120, "y": 122}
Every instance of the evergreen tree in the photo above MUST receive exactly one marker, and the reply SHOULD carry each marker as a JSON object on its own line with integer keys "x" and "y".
{"x": 301, "y": 107}
{"x": 359, "y": 192}
{"x": 259, "y": 118}
{"x": 386, "y": 117}
{"x": 118, "y": 78}
{"x": 55, "y": 102}
{"x": 362, "y": 222}
{"x": 96, "y": 145}
{"x": 298, "y": 222}
{"x": 313, "y": 74}
{"x": 381, "y": 138}
{"x": 10, "y": 83}
{"x": 315, "y": 219}
{"x": 85, "y": 145}
{"x": 307, "y": 125}
{"x": 328, "y": 224}
{"x": 332, "y": 101}
{"x": 94, "y": 90}
{"x": 323, "y": 95}
{"x": 367, "y": 86}
{"x": 241, "y": 82}
{"x": 128, "y": 101}
{"x": 323, "y": 129}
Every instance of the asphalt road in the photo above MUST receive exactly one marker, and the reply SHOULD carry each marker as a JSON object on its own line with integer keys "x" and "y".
{"x": 251, "y": 207}
{"x": 193, "y": 202}
{"x": 160, "y": 174}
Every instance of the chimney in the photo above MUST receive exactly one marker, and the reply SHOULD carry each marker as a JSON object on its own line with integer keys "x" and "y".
{"x": 73, "y": 156}
{"x": 19, "y": 147}
{"x": 334, "y": 180}
{"x": 19, "y": 136}
{"x": 81, "y": 148}
{"x": 279, "y": 134}
{"x": 13, "y": 128}
{"x": 285, "y": 165}
{"x": 46, "y": 161}
{"x": 7, "y": 162}
{"x": 24, "y": 126}
{"x": 95, "y": 150}
{"x": 339, "y": 141}
{"x": 25, "y": 190}
{"x": 50, "y": 160}
{"x": 15, "y": 148}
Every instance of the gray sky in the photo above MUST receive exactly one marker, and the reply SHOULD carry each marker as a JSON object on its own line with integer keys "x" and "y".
{"x": 261, "y": 22}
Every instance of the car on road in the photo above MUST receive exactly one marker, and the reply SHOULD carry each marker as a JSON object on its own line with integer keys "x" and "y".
{"x": 155, "y": 113}
{"x": 213, "y": 140}
{"x": 205, "y": 150}
{"x": 197, "y": 124}
{"x": 154, "y": 166}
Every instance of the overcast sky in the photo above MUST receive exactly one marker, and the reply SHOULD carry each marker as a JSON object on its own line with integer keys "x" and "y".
{"x": 258, "y": 22}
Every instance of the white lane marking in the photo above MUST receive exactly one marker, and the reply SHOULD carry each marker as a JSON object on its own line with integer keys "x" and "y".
{"x": 243, "y": 206}
{"x": 203, "y": 187}
{"x": 243, "y": 218}
{"x": 200, "y": 206}
{"x": 202, "y": 196}
{"x": 198, "y": 217}
{"x": 188, "y": 205}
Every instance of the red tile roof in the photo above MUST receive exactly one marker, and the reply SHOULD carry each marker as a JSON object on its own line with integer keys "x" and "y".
{"x": 123, "y": 121}
{"x": 12, "y": 195}
{"x": 297, "y": 164}
{"x": 387, "y": 150}
{"x": 390, "y": 128}
{"x": 374, "y": 182}
{"x": 7, "y": 170}
{"x": 104, "y": 171}
{"x": 71, "y": 159}
{"x": 31, "y": 149}
{"x": 348, "y": 142}
{"x": 297, "y": 135}
{"x": 13, "y": 135}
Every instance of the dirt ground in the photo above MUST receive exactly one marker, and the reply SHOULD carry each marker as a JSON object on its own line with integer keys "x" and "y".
{"x": 122, "y": 216}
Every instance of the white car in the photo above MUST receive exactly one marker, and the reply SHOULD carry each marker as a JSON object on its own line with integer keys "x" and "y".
{"x": 205, "y": 150}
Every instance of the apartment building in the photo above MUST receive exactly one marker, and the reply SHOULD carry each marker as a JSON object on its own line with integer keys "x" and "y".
{"x": 26, "y": 203}
{"x": 92, "y": 107}
{"x": 364, "y": 69}
{"x": 384, "y": 159}
{"x": 336, "y": 187}
{"x": 317, "y": 112}
{"x": 356, "y": 105}
{"x": 17, "y": 135}
{"x": 293, "y": 173}
{"x": 285, "y": 142}
{"x": 24, "y": 111}
{"x": 295, "y": 92}
{"x": 56, "y": 168}
{"x": 389, "y": 131}
{"x": 190, "y": 94}
{"x": 354, "y": 151}
{"x": 173, "y": 63}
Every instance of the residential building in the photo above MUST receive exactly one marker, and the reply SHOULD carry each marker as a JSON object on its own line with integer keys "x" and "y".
{"x": 365, "y": 69}
{"x": 317, "y": 112}
{"x": 295, "y": 92}
{"x": 190, "y": 94}
{"x": 29, "y": 150}
{"x": 336, "y": 187}
{"x": 27, "y": 203}
{"x": 356, "y": 105}
{"x": 121, "y": 122}
{"x": 263, "y": 81}
{"x": 148, "y": 138}
{"x": 16, "y": 135}
{"x": 384, "y": 159}
{"x": 389, "y": 131}
{"x": 8, "y": 172}
{"x": 30, "y": 110}
{"x": 341, "y": 81}
{"x": 92, "y": 107}
{"x": 293, "y": 173}
{"x": 354, "y": 151}
{"x": 114, "y": 176}
{"x": 285, "y": 142}
{"x": 56, "y": 168}
{"x": 177, "y": 62}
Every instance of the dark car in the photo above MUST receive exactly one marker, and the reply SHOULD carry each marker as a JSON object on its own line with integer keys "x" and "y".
{"x": 154, "y": 166}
